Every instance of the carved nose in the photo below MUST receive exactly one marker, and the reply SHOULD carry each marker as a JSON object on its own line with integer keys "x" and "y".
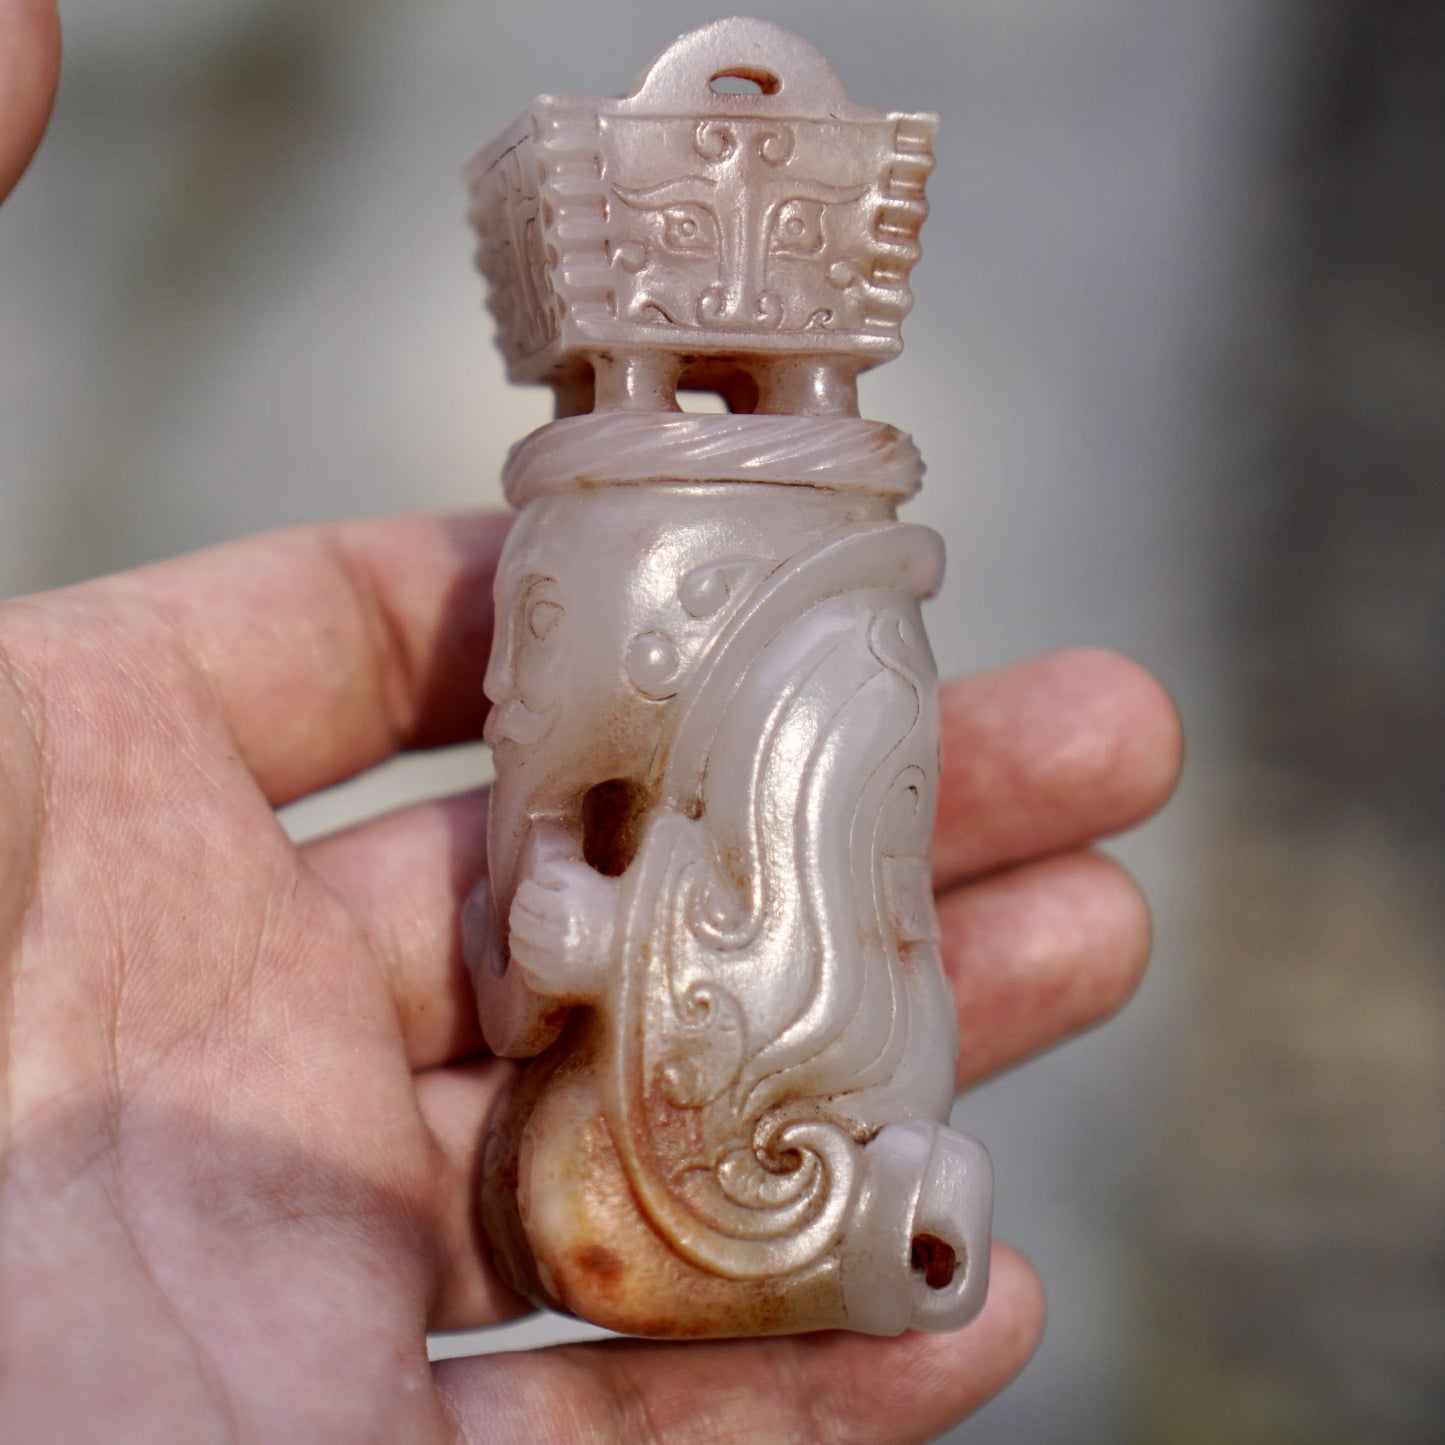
{"x": 760, "y": 309}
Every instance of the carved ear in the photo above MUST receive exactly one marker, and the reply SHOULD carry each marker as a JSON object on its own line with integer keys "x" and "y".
{"x": 652, "y": 665}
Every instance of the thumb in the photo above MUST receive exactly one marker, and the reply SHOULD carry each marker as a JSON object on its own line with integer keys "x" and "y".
{"x": 29, "y": 71}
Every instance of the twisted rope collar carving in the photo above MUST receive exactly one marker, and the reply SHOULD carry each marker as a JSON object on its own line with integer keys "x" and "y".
{"x": 619, "y": 448}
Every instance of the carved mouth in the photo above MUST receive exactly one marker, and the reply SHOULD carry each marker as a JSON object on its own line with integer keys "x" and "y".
{"x": 514, "y": 722}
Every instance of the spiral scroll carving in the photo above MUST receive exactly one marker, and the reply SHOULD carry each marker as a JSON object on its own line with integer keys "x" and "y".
{"x": 846, "y": 455}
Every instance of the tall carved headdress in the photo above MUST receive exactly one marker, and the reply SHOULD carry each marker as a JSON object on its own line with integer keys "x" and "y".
{"x": 703, "y": 230}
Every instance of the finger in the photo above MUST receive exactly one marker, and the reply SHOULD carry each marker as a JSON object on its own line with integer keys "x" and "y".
{"x": 1035, "y": 955}
{"x": 405, "y": 877}
{"x": 1038, "y": 953}
{"x": 1048, "y": 755}
{"x": 29, "y": 73}
{"x": 836, "y": 1387}
{"x": 457, "y": 1104}
{"x": 327, "y": 648}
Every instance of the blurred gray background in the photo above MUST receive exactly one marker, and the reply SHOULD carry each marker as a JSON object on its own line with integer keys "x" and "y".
{"x": 1179, "y": 370}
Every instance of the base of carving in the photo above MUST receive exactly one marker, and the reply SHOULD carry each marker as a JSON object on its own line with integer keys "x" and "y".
{"x": 567, "y": 1232}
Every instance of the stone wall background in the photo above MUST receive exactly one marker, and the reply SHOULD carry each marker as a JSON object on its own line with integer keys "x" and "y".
{"x": 1177, "y": 369}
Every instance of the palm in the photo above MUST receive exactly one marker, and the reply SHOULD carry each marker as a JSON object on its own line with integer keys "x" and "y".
{"x": 205, "y": 1046}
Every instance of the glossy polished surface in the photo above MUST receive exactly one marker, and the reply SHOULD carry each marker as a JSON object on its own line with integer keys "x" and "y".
{"x": 709, "y": 918}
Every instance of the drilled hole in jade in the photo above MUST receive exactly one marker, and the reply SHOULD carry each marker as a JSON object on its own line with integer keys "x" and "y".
{"x": 612, "y": 814}
{"x": 935, "y": 1259}
{"x": 745, "y": 80}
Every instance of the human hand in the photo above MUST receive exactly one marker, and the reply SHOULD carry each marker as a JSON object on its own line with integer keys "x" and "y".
{"x": 241, "y": 1082}
{"x": 241, "y": 1085}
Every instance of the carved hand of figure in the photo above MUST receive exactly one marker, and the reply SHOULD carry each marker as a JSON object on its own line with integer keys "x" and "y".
{"x": 561, "y": 926}
{"x": 242, "y": 1086}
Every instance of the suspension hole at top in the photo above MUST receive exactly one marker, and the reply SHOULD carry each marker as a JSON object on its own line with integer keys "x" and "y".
{"x": 745, "y": 80}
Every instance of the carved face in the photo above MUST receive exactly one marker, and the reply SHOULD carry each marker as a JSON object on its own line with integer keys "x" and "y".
{"x": 754, "y": 224}
{"x": 575, "y": 621}
{"x": 528, "y": 662}
{"x": 606, "y": 602}
{"x": 582, "y": 659}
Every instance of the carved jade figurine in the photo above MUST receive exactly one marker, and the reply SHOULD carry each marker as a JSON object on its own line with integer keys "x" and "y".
{"x": 709, "y": 922}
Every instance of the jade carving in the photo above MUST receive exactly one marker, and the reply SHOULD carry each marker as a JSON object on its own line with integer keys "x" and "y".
{"x": 708, "y": 924}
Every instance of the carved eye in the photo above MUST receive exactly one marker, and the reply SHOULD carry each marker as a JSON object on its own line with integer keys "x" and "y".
{"x": 797, "y": 227}
{"x": 542, "y": 616}
{"x": 688, "y": 228}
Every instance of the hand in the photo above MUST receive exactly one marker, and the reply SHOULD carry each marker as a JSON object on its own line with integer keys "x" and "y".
{"x": 561, "y": 927}
{"x": 241, "y": 1102}
{"x": 240, "y": 1091}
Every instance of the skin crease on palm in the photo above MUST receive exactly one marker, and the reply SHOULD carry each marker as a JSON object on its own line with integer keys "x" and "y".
{"x": 241, "y": 1082}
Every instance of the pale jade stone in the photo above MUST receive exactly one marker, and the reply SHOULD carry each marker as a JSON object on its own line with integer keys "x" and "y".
{"x": 709, "y": 922}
